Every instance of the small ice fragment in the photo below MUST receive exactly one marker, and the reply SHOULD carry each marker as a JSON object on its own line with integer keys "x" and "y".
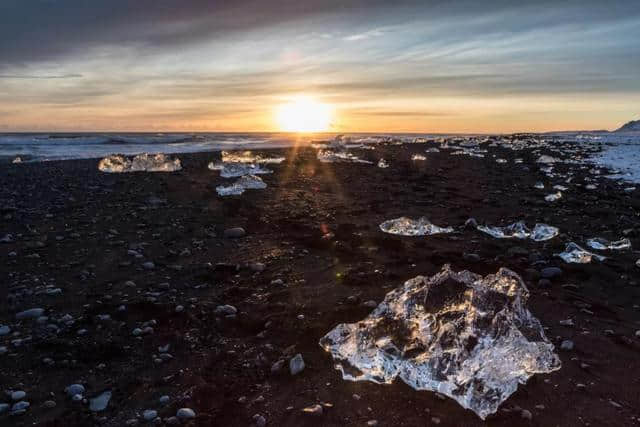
{"x": 117, "y": 163}
{"x": 543, "y": 232}
{"x": 17, "y": 160}
{"x": 248, "y": 157}
{"x": 590, "y": 187}
{"x": 553, "y": 197}
{"x": 539, "y": 186}
{"x": 432, "y": 150}
{"x": 99, "y": 403}
{"x": 575, "y": 254}
{"x": 382, "y": 163}
{"x": 517, "y": 229}
{"x": 233, "y": 170}
{"x": 468, "y": 337}
{"x": 560, "y": 187}
{"x": 404, "y": 226}
{"x": 251, "y": 182}
{"x": 501, "y": 160}
{"x": 329, "y": 156}
{"x": 604, "y": 244}
{"x": 230, "y": 190}
{"x": 418, "y": 157}
{"x": 546, "y": 159}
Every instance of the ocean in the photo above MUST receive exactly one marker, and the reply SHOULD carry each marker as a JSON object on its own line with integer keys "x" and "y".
{"x": 619, "y": 151}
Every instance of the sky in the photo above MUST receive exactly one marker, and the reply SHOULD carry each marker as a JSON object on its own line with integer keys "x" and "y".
{"x": 381, "y": 66}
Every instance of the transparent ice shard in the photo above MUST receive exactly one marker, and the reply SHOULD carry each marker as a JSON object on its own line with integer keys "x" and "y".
{"x": 245, "y": 182}
{"x": 249, "y": 157}
{"x": 560, "y": 188}
{"x": 575, "y": 254}
{"x": 457, "y": 333}
{"x": 539, "y": 186}
{"x": 519, "y": 230}
{"x": 382, "y": 163}
{"x": 404, "y": 226}
{"x": 117, "y": 163}
{"x": 553, "y": 197}
{"x": 604, "y": 244}
{"x": 233, "y": 170}
{"x": 500, "y": 160}
{"x": 418, "y": 157}
{"x": 329, "y": 156}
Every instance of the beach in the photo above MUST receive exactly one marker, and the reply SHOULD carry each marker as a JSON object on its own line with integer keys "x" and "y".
{"x": 144, "y": 260}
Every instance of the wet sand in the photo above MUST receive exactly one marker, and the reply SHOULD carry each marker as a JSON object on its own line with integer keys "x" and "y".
{"x": 315, "y": 229}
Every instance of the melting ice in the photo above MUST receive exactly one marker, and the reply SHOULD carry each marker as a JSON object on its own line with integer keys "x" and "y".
{"x": 575, "y": 254}
{"x": 117, "y": 163}
{"x": 603, "y": 244}
{"x": 245, "y": 182}
{"x": 458, "y": 333}
{"x": 519, "y": 230}
{"x": 404, "y": 226}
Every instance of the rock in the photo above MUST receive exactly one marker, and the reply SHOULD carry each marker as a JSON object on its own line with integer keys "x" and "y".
{"x": 471, "y": 223}
{"x": 550, "y": 272}
{"x": 20, "y": 406}
{"x": 185, "y": 413}
{"x": 172, "y": 421}
{"x": 49, "y": 404}
{"x": 234, "y": 233}
{"x": 471, "y": 257}
{"x": 225, "y": 310}
{"x": 259, "y": 420}
{"x": 149, "y": 415}
{"x": 277, "y": 367}
{"x": 74, "y": 389}
{"x": 149, "y": 265}
{"x": 18, "y": 395}
{"x": 566, "y": 345}
{"x": 296, "y": 364}
{"x": 100, "y": 402}
{"x": 527, "y": 415}
{"x": 638, "y": 263}
{"x": 4, "y": 330}
{"x": 567, "y": 322}
{"x": 517, "y": 251}
{"x": 372, "y": 423}
{"x": 277, "y": 282}
{"x": 164, "y": 399}
{"x": 370, "y": 304}
{"x": 544, "y": 283}
{"x": 257, "y": 266}
{"x": 4, "y": 407}
{"x": 315, "y": 410}
{"x": 30, "y": 314}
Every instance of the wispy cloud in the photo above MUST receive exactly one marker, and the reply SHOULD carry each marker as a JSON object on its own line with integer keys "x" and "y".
{"x": 39, "y": 77}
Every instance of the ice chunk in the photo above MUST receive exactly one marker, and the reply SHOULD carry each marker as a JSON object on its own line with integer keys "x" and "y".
{"x": 329, "y": 156}
{"x": 603, "y": 244}
{"x": 553, "y": 197}
{"x": 539, "y": 186}
{"x": 117, "y": 163}
{"x": 560, "y": 187}
{"x": 418, "y": 157}
{"x": 519, "y": 230}
{"x": 543, "y": 232}
{"x": 500, "y": 160}
{"x": 404, "y": 226}
{"x": 382, "y": 163}
{"x": 432, "y": 150}
{"x": 245, "y": 182}
{"x": 547, "y": 159}
{"x": 575, "y": 254}
{"x": 249, "y": 157}
{"x": 233, "y": 170}
{"x": 463, "y": 335}
{"x": 17, "y": 160}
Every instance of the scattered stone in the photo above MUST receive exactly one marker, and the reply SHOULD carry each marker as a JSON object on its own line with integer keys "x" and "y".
{"x": 74, "y": 389}
{"x": 18, "y": 395}
{"x": 30, "y": 314}
{"x": 149, "y": 265}
{"x": 185, "y": 413}
{"x": 4, "y": 330}
{"x": 100, "y": 402}
{"x": 566, "y": 345}
{"x": 4, "y": 407}
{"x": 225, "y": 310}
{"x": 527, "y": 415}
{"x": 149, "y": 415}
{"x": 164, "y": 399}
{"x": 259, "y": 420}
{"x": 234, "y": 233}
{"x": 296, "y": 364}
{"x": 49, "y": 404}
{"x": 550, "y": 272}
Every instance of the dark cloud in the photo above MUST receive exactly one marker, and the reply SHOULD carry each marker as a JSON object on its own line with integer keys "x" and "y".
{"x": 38, "y": 30}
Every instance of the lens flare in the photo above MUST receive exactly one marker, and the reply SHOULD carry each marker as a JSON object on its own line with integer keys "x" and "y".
{"x": 304, "y": 115}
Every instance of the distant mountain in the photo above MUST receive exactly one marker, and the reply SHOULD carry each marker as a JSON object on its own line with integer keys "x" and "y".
{"x": 632, "y": 126}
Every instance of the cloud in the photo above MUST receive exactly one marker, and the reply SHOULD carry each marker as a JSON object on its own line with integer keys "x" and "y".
{"x": 40, "y": 77}
{"x": 364, "y": 36}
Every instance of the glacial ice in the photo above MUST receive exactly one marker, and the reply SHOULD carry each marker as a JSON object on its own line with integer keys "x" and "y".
{"x": 404, "y": 226}
{"x": 539, "y": 186}
{"x": 604, "y": 244}
{"x": 457, "y": 333}
{"x": 553, "y": 197}
{"x": 519, "y": 230}
{"x": 418, "y": 157}
{"x": 248, "y": 157}
{"x": 245, "y": 182}
{"x": 234, "y": 170}
{"x": 575, "y": 254}
{"x": 117, "y": 163}
{"x": 329, "y": 156}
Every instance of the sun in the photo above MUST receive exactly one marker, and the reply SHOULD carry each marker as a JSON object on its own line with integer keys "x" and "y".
{"x": 304, "y": 114}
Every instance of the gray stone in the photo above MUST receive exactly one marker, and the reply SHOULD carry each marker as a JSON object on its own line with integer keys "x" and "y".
{"x": 49, "y": 404}
{"x": 225, "y": 310}
{"x": 30, "y": 314}
{"x": 149, "y": 415}
{"x": 185, "y": 413}
{"x": 566, "y": 345}
{"x": 74, "y": 389}
{"x": 4, "y": 407}
{"x": 234, "y": 233}
{"x": 296, "y": 364}
{"x": 4, "y": 330}
{"x": 99, "y": 403}
{"x": 550, "y": 272}
{"x": 149, "y": 265}
{"x": 18, "y": 395}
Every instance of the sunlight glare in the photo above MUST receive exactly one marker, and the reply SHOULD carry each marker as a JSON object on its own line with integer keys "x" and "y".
{"x": 304, "y": 114}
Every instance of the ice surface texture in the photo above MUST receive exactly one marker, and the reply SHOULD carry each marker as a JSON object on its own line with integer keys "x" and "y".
{"x": 234, "y": 170}
{"x": 575, "y": 254}
{"x": 519, "y": 230}
{"x": 248, "y": 157}
{"x": 245, "y": 182}
{"x": 117, "y": 163}
{"x": 329, "y": 156}
{"x": 457, "y": 333}
{"x": 603, "y": 244}
{"x": 404, "y": 226}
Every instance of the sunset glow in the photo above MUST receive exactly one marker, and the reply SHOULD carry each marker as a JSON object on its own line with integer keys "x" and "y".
{"x": 304, "y": 115}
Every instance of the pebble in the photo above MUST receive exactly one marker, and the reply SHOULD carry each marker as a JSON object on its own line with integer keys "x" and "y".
{"x": 257, "y": 266}
{"x": 20, "y": 406}
{"x": 4, "y": 330}
{"x": 234, "y": 233}
{"x": 74, "y": 389}
{"x": 49, "y": 404}
{"x": 372, "y": 423}
{"x": 225, "y": 310}
{"x": 296, "y": 364}
{"x": 527, "y": 415}
{"x": 149, "y": 415}
{"x": 18, "y": 395}
{"x": 185, "y": 413}
{"x": 638, "y": 263}
{"x": 164, "y": 399}
{"x": 313, "y": 410}
{"x": 4, "y": 407}
{"x": 566, "y": 345}
{"x": 99, "y": 403}
{"x": 149, "y": 265}
{"x": 550, "y": 272}
{"x": 370, "y": 304}
{"x": 259, "y": 420}
{"x": 30, "y": 314}
{"x": 435, "y": 420}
